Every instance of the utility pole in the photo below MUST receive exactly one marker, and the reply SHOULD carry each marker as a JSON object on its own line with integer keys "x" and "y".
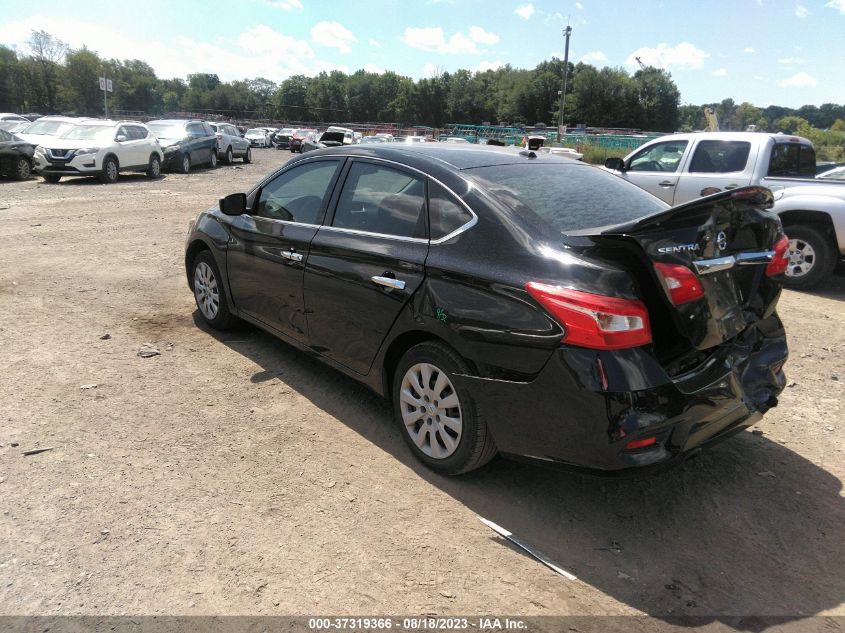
{"x": 560, "y": 129}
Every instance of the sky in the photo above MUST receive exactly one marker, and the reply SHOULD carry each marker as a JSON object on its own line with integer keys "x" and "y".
{"x": 766, "y": 52}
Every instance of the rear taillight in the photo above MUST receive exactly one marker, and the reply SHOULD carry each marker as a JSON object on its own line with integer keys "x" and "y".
{"x": 780, "y": 261}
{"x": 592, "y": 320}
{"x": 635, "y": 444}
{"x": 681, "y": 284}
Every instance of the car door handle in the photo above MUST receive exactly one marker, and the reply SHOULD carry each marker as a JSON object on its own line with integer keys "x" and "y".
{"x": 292, "y": 255}
{"x": 729, "y": 187}
{"x": 666, "y": 183}
{"x": 388, "y": 282}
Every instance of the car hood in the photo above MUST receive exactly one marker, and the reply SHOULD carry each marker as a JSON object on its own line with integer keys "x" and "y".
{"x": 169, "y": 142}
{"x": 37, "y": 139}
{"x": 53, "y": 142}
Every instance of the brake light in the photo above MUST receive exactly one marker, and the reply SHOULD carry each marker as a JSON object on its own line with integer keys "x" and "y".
{"x": 780, "y": 261}
{"x": 681, "y": 284}
{"x": 646, "y": 441}
{"x": 593, "y": 320}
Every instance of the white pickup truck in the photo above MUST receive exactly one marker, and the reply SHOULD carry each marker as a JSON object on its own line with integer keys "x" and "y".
{"x": 681, "y": 167}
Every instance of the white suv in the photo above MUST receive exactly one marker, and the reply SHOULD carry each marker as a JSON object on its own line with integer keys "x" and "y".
{"x": 99, "y": 148}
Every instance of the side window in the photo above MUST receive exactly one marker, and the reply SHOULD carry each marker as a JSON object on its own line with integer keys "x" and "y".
{"x": 660, "y": 157}
{"x": 719, "y": 157}
{"x": 297, "y": 194}
{"x": 138, "y": 132}
{"x": 123, "y": 131}
{"x": 382, "y": 200}
{"x": 444, "y": 213}
{"x": 195, "y": 130}
{"x": 792, "y": 160}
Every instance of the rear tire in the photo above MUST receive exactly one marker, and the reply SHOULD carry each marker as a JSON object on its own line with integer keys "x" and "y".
{"x": 812, "y": 257}
{"x": 439, "y": 421}
{"x": 229, "y": 156}
{"x": 23, "y": 169}
{"x": 154, "y": 168}
{"x": 209, "y": 292}
{"x": 110, "y": 171}
{"x": 248, "y": 155}
{"x": 213, "y": 162}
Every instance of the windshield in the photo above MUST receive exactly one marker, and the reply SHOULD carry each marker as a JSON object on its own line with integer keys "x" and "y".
{"x": 166, "y": 130}
{"x": 254, "y": 131}
{"x": 567, "y": 197}
{"x": 51, "y": 128}
{"x": 90, "y": 133}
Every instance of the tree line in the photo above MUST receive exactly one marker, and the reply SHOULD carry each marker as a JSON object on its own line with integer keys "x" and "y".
{"x": 50, "y": 77}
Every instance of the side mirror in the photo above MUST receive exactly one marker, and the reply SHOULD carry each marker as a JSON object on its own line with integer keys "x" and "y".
{"x": 616, "y": 164}
{"x": 233, "y": 204}
{"x": 120, "y": 138}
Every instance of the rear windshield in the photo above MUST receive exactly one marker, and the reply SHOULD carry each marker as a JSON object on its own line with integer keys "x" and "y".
{"x": 567, "y": 197}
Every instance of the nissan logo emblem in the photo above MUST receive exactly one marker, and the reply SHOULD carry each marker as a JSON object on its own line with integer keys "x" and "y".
{"x": 721, "y": 241}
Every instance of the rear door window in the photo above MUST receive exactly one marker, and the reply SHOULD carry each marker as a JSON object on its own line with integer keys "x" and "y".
{"x": 659, "y": 157}
{"x": 793, "y": 160}
{"x": 297, "y": 194}
{"x": 379, "y": 199}
{"x": 720, "y": 157}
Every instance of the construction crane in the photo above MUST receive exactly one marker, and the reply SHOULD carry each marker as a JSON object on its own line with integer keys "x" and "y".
{"x": 640, "y": 62}
{"x": 712, "y": 121}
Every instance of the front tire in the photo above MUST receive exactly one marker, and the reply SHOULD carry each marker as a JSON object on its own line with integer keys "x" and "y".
{"x": 23, "y": 169}
{"x": 209, "y": 293}
{"x": 213, "y": 161}
{"x": 812, "y": 257}
{"x": 439, "y": 421}
{"x": 110, "y": 171}
{"x": 154, "y": 168}
{"x": 51, "y": 178}
{"x": 185, "y": 164}
{"x": 229, "y": 156}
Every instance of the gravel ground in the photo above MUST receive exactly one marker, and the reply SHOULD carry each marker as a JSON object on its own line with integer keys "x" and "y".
{"x": 232, "y": 474}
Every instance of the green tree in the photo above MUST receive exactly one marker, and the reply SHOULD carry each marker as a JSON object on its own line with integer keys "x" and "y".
{"x": 658, "y": 99}
{"x": 83, "y": 69}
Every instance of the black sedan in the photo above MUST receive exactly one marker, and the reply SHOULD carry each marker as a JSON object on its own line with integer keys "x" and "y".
{"x": 15, "y": 156}
{"x": 504, "y": 302}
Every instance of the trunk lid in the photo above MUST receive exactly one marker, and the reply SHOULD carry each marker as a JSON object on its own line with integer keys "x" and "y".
{"x": 724, "y": 242}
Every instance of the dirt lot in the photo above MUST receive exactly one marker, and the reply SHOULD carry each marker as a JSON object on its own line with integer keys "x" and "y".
{"x": 235, "y": 475}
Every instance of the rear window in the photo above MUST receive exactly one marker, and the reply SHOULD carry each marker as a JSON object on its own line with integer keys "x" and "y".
{"x": 567, "y": 197}
{"x": 793, "y": 160}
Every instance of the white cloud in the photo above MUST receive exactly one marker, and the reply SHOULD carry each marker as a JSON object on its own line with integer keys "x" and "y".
{"x": 477, "y": 34}
{"x": 836, "y": 4}
{"x": 525, "y": 11}
{"x": 720, "y": 72}
{"x": 684, "y": 55}
{"x": 432, "y": 39}
{"x": 286, "y": 5}
{"x": 792, "y": 61}
{"x": 801, "y": 11}
{"x": 374, "y": 43}
{"x": 334, "y": 35}
{"x": 430, "y": 71}
{"x": 579, "y": 6}
{"x": 485, "y": 66}
{"x": 798, "y": 80}
{"x": 749, "y": 50}
{"x": 372, "y": 68}
{"x": 257, "y": 52}
{"x": 593, "y": 57}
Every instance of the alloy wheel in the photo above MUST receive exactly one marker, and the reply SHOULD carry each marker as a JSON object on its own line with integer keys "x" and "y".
{"x": 206, "y": 291}
{"x": 431, "y": 410}
{"x": 802, "y": 258}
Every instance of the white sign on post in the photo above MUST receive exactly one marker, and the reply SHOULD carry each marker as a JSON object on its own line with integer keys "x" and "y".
{"x": 102, "y": 83}
{"x": 108, "y": 85}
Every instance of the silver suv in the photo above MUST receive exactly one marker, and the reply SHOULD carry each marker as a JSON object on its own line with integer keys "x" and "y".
{"x": 230, "y": 143}
{"x": 99, "y": 148}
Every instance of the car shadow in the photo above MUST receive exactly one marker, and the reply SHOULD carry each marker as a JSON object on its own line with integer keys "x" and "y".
{"x": 833, "y": 287}
{"x": 747, "y": 528}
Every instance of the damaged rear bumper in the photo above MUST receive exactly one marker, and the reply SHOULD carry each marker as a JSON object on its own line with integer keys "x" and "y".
{"x": 586, "y": 406}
